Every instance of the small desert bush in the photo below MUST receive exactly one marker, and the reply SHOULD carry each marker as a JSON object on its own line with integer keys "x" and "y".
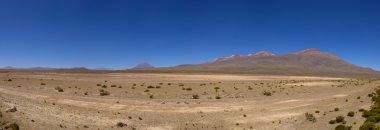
{"x": 332, "y": 122}
{"x": 98, "y": 84}
{"x": 195, "y": 96}
{"x": 310, "y": 117}
{"x": 59, "y": 89}
{"x": 339, "y": 119}
{"x": 104, "y": 86}
{"x": 216, "y": 89}
{"x": 368, "y": 126}
{"x": 121, "y": 124}
{"x": 43, "y": 83}
{"x": 150, "y": 86}
{"x": 336, "y": 109}
{"x": 267, "y": 93}
{"x": 351, "y": 114}
{"x": 218, "y": 97}
{"x": 14, "y": 126}
{"x": 343, "y": 127}
{"x": 113, "y": 85}
{"x": 103, "y": 92}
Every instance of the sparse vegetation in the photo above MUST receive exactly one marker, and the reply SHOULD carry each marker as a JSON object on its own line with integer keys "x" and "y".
{"x": 195, "y": 96}
{"x": 267, "y": 93}
{"x": 373, "y": 115}
{"x": 351, "y": 114}
{"x": 216, "y": 89}
{"x": 59, "y": 89}
{"x": 339, "y": 119}
{"x": 14, "y": 126}
{"x": 103, "y": 92}
{"x": 121, "y": 124}
{"x": 310, "y": 117}
{"x": 343, "y": 127}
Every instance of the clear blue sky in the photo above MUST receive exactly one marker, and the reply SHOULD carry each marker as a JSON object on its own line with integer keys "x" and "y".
{"x": 122, "y": 33}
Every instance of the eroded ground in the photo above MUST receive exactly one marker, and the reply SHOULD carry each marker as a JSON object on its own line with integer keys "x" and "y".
{"x": 178, "y": 101}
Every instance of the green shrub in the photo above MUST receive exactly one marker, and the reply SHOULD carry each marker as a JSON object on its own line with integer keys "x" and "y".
{"x": 366, "y": 113}
{"x": 351, "y": 114}
{"x": 339, "y": 119}
{"x": 332, "y": 122}
{"x": 368, "y": 126}
{"x": 342, "y": 127}
{"x": 14, "y": 126}
{"x": 372, "y": 119}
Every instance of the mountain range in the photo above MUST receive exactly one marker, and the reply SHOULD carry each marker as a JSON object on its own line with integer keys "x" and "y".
{"x": 306, "y": 62}
{"x": 309, "y": 62}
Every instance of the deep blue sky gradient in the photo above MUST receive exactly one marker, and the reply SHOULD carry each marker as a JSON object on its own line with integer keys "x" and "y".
{"x": 119, "y": 34}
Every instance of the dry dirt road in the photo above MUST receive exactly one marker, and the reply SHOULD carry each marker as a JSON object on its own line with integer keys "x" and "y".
{"x": 224, "y": 101}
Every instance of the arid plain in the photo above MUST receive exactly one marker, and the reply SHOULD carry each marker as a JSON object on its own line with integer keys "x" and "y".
{"x": 48, "y": 100}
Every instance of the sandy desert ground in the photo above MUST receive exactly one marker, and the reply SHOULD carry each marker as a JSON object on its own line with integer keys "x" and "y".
{"x": 46, "y": 101}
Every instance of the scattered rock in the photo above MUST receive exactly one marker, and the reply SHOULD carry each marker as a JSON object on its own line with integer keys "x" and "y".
{"x": 12, "y": 109}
